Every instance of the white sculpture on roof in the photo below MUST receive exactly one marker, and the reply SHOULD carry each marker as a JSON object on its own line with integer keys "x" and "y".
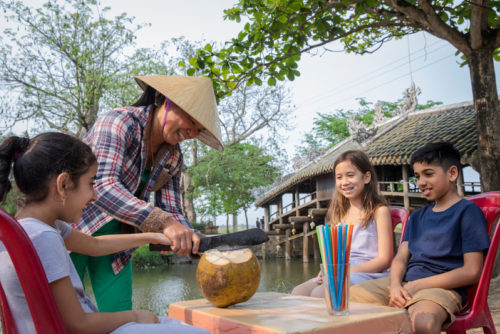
{"x": 410, "y": 102}
{"x": 361, "y": 132}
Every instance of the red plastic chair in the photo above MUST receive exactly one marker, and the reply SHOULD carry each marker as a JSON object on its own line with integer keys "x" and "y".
{"x": 476, "y": 312}
{"x": 32, "y": 277}
{"x": 399, "y": 215}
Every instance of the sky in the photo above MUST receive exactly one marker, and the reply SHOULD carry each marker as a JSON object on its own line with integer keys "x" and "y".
{"x": 329, "y": 80}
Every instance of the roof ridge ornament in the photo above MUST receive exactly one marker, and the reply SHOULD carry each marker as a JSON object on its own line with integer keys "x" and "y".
{"x": 362, "y": 133}
{"x": 410, "y": 102}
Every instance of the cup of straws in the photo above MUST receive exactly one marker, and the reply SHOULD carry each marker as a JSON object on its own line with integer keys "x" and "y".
{"x": 335, "y": 245}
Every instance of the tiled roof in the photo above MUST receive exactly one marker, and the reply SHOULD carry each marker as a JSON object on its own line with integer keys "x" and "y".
{"x": 395, "y": 142}
{"x": 454, "y": 123}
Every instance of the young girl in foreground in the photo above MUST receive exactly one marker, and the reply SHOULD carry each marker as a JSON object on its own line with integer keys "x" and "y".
{"x": 356, "y": 200}
{"x": 55, "y": 172}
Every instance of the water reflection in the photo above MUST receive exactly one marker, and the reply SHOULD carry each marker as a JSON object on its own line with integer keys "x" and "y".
{"x": 156, "y": 289}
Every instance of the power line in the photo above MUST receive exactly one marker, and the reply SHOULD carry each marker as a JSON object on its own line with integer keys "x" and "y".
{"x": 393, "y": 65}
{"x": 365, "y": 79}
{"x": 332, "y": 106}
{"x": 409, "y": 58}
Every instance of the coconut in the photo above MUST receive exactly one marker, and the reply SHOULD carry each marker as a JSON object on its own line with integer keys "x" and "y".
{"x": 228, "y": 277}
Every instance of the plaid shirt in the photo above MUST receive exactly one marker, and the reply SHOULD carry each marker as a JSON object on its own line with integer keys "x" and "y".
{"x": 117, "y": 139}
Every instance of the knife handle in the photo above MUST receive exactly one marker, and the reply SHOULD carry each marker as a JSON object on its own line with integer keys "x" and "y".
{"x": 159, "y": 248}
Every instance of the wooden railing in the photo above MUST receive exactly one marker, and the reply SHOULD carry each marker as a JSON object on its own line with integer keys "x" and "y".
{"x": 305, "y": 199}
{"x": 287, "y": 208}
{"x": 273, "y": 215}
{"x": 470, "y": 187}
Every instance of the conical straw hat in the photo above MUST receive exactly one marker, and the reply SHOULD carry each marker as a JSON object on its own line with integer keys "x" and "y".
{"x": 193, "y": 95}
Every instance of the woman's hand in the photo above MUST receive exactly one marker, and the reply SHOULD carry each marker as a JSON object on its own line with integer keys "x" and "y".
{"x": 145, "y": 317}
{"x": 183, "y": 240}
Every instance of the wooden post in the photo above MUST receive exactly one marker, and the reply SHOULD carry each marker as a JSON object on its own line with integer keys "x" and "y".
{"x": 280, "y": 209}
{"x": 406, "y": 188}
{"x": 318, "y": 205}
{"x": 266, "y": 218}
{"x": 288, "y": 251}
{"x": 297, "y": 201}
{"x": 460, "y": 184}
{"x": 315, "y": 247}
{"x": 305, "y": 243}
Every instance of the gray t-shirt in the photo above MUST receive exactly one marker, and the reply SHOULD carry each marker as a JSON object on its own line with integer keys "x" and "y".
{"x": 49, "y": 244}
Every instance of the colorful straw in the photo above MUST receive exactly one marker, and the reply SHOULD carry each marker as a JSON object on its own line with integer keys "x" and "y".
{"x": 335, "y": 248}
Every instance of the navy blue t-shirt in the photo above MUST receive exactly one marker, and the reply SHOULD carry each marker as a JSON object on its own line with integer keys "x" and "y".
{"x": 437, "y": 241}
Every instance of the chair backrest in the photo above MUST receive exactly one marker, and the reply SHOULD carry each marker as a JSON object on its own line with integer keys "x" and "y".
{"x": 44, "y": 312}
{"x": 477, "y": 296}
{"x": 399, "y": 215}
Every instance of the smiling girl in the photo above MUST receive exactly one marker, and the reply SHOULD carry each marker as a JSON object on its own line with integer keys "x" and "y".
{"x": 356, "y": 200}
{"x": 55, "y": 172}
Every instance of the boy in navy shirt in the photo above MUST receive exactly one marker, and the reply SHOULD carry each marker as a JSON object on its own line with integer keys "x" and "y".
{"x": 441, "y": 254}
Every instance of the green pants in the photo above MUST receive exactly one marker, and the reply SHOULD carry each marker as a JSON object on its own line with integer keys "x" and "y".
{"x": 112, "y": 292}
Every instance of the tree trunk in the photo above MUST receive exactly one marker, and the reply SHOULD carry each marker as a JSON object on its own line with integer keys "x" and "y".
{"x": 227, "y": 223}
{"x": 484, "y": 90}
{"x": 235, "y": 222}
{"x": 187, "y": 198}
{"x": 246, "y": 215}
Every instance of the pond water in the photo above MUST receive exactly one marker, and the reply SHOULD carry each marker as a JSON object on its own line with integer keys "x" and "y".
{"x": 155, "y": 289}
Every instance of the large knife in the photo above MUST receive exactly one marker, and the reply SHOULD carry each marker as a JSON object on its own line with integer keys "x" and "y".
{"x": 230, "y": 241}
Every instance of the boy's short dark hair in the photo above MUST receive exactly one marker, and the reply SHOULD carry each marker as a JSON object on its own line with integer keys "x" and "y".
{"x": 442, "y": 153}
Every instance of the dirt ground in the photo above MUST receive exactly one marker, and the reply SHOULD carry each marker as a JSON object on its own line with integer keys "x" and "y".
{"x": 494, "y": 304}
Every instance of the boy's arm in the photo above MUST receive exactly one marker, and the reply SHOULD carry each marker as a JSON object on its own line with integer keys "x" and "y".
{"x": 108, "y": 244}
{"x": 398, "y": 295}
{"x": 468, "y": 274}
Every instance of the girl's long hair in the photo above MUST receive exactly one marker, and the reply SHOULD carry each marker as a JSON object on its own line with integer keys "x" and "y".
{"x": 370, "y": 196}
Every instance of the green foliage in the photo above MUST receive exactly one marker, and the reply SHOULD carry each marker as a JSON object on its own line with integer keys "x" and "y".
{"x": 11, "y": 202}
{"x": 143, "y": 259}
{"x": 224, "y": 180}
{"x": 198, "y": 226}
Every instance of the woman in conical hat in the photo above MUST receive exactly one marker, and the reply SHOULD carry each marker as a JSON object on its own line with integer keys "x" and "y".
{"x": 138, "y": 154}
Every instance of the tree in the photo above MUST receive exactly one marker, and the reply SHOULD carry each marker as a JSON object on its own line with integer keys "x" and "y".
{"x": 225, "y": 179}
{"x": 64, "y": 63}
{"x": 277, "y": 32}
{"x": 330, "y": 129}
